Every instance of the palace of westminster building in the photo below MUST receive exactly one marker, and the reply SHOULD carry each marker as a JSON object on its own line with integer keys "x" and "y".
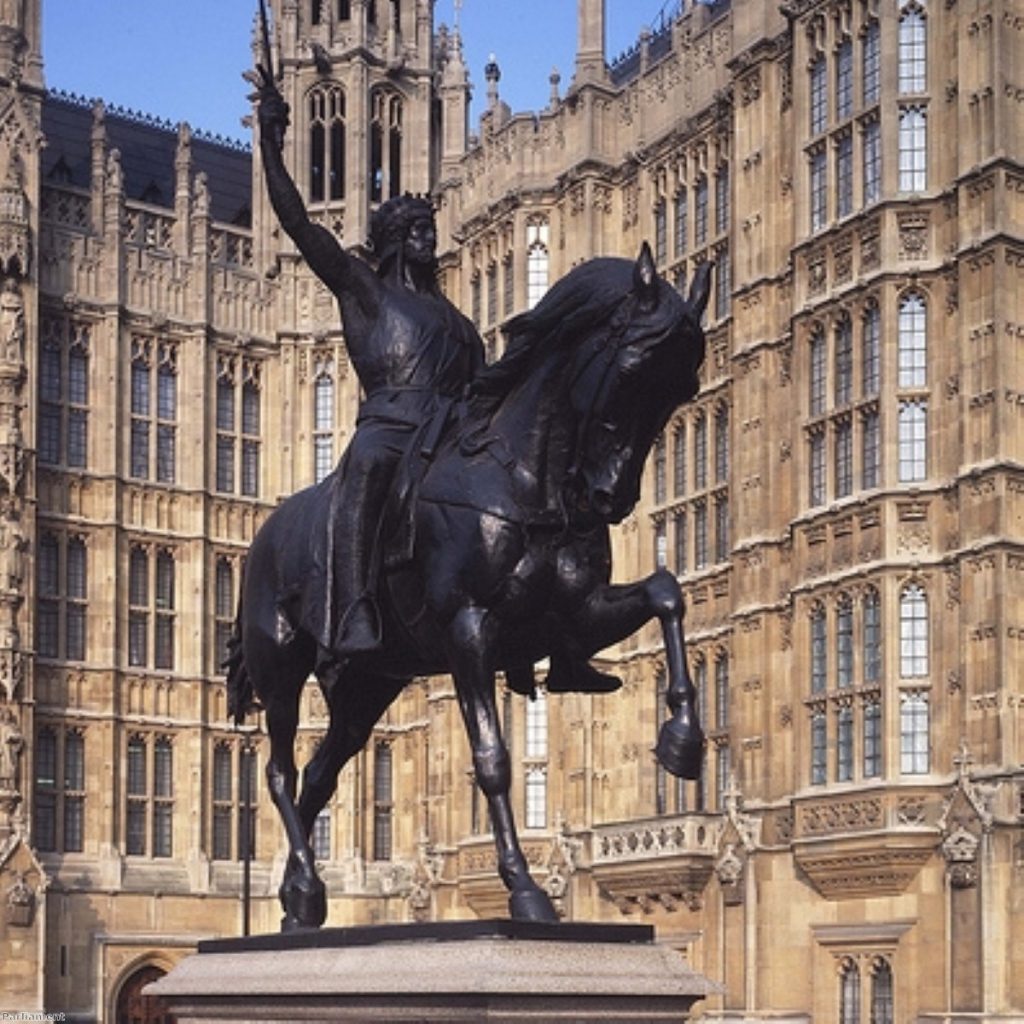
{"x": 843, "y": 502}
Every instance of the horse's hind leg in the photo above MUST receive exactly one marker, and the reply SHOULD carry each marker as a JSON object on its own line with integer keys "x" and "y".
{"x": 302, "y": 894}
{"x": 355, "y": 706}
{"x": 470, "y": 651}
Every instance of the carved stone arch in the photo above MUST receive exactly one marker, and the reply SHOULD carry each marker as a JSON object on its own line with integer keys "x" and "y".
{"x": 127, "y": 1004}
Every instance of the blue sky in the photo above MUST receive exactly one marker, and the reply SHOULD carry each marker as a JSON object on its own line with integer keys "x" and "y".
{"x": 183, "y": 59}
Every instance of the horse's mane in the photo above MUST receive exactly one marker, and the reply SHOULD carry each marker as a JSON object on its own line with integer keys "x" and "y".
{"x": 588, "y": 295}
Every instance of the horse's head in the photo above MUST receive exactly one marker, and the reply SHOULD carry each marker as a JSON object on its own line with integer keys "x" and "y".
{"x": 626, "y": 379}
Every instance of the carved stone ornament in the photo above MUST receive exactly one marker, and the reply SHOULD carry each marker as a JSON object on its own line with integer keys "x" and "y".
{"x": 21, "y": 903}
{"x": 960, "y": 848}
{"x": 426, "y": 876}
{"x": 729, "y": 869}
{"x": 12, "y": 743}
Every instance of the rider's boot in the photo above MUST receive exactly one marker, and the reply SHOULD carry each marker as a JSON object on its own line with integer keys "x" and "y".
{"x": 359, "y": 630}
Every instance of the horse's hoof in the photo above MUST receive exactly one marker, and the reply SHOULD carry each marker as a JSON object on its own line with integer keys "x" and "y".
{"x": 680, "y": 748}
{"x": 304, "y": 907}
{"x": 532, "y": 905}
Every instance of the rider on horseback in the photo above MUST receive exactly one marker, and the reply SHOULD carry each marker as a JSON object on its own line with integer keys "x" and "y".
{"x": 414, "y": 354}
{"x": 412, "y": 351}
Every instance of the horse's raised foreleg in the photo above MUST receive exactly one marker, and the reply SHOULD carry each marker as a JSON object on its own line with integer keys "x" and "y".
{"x": 470, "y": 650}
{"x": 613, "y": 612}
{"x": 302, "y": 894}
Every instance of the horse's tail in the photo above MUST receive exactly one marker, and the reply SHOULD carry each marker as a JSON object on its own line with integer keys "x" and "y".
{"x": 239, "y": 682}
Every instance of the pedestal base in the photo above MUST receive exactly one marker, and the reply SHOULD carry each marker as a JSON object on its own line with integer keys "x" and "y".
{"x": 488, "y": 971}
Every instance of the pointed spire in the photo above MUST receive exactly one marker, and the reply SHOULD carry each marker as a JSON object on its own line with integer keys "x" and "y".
{"x": 590, "y": 35}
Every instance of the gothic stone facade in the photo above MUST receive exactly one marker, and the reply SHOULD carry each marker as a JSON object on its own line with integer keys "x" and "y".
{"x": 843, "y": 502}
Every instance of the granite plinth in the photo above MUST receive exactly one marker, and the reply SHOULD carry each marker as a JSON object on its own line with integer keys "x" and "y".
{"x": 499, "y": 972}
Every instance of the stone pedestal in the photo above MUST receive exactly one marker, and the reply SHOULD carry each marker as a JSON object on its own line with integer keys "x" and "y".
{"x": 482, "y": 971}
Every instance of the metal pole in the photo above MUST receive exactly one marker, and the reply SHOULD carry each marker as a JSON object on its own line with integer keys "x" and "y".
{"x": 246, "y": 837}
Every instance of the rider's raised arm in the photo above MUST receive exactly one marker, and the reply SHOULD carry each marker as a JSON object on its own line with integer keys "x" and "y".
{"x": 346, "y": 276}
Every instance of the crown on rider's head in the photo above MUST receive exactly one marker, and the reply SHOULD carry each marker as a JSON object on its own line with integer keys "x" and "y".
{"x": 390, "y": 222}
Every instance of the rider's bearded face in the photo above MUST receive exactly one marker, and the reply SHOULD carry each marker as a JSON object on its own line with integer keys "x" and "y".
{"x": 421, "y": 241}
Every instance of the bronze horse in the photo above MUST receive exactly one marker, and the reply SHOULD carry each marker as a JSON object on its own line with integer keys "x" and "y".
{"x": 508, "y": 559}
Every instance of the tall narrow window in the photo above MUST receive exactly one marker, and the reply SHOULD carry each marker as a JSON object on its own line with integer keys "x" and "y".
{"x": 48, "y": 596}
{"x": 223, "y": 805}
{"x": 913, "y": 441}
{"x": 537, "y": 261}
{"x": 913, "y": 58}
{"x": 871, "y": 351}
{"x": 721, "y": 444}
{"x": 537, "y": 726}
{"x": 223, "y": 610}
{"x": 165, "y": 613}
{"x": 721, "y": 528}
{"x": 872, "y": 738}
{"x": 660, "y": 543}
{"x": 722, "y": 692}
{"x": 163, "y": 797}
{"x": 320, "y": 840}
{"x": 872, "y": 646}
{"x": 881, "y": 992}
{"x": 383, "y": 801}
{"x": 660, "y": 470}
{"x": 248, "y": 791}
{"x": 843, "y": 370}
{"x": 818, "y": 95}
{"x": 74, "y": 791}
{"x": 700, "y": 682}
{"x": 326, "y": 105}
{"x": 700, "y": 211}
{"x": 344, "y": 10}
{"x": 849, "y": 993}
{"x": 509, "y": 286}
{"x": 700, "y": 534}
{"x": 535, "y": 753}
{"x": 251, "y": 432}
{"x": 819, "y": 748}
{"x": 137, "y": 793}
{"x": 45, "y": 818}
{"x": 819, "y": 657}
{"x": 844, "y": 175}
{"x": 138, "y": 607}
{"x": 913, "y": 342}
{"x": 817, "y": 372}
{"x": 723, "y": 773}
{"x": 536, "y": 798}
{"x": 75, "y": 590}
{"x": 166, "y": 413}
{"x": 679, "y": 522}
{"x": 63, "y": 392}
{"x": 844, "y": 744}
{"x": 871, "y": 449}
{"x": 816, "y": 468}
{"x": 819, "y": 188}
{"x": 723, "y": 282}
{"x": 914, "y": 734}
{"x": 141, "y": 411}
{"x": 323, "y": 420}
{"x": 679, "y": 461}
{"x": 660, "y": 232}
{"x": 872, "y": 160}
{"x": 700, "y": 452}
{"x": 843, "y": 436}
{"x": 225, "y": 464}
{"x": 492, "y": 293}
{"x": 913, "y": 149}
{"x": 385, "y": 146}
{"x": 914, "y": 630}
{"x": 61, "y": 597}
{"x": 844, "y": 642}
{"x": 722, "y": 200}
{"x": 844, "y": 79}
{"x": 871, "y": 64}
{"x": 681, "y": 222}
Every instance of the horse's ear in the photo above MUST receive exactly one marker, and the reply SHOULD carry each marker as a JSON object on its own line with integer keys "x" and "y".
{"x": 700, "y": 290}
{"x": 645, "y": 278}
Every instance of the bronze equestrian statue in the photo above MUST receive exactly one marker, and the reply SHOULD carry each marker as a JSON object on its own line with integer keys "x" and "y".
{"x": 495, "y": 499}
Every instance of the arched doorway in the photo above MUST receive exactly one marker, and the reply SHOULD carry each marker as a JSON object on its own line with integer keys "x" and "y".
{"x": 135, "y": 1008}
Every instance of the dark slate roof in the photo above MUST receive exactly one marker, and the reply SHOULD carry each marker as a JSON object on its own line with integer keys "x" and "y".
{"x": 148, "y": 147}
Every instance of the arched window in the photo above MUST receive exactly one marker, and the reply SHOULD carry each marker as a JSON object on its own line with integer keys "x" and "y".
{"x": 844, "y": 642}
{"x": 383, "y": 800}
{"x": 679, "y": 461}
{"x": 844, "y": 79}
{"x": 819, "y": 656}
{"x": 223, "y": 609}
{"x": 843, "y": 370}
{"x": 912, "y": 341}
{"x": 700, "y": 452}
{"x": 537, "y": 261}
{"x": 913, "y": 633}
{"x": 660, "y": 488}
{"x": 817, "y": 374}
{"x": 872, "y": 646}
{"x": 871, "y": 64}
{"x": 722, "y": 692}
{"x": 844, "y": 744}
{"x": 326, "y": 104}
{"x": 819, "y": 94}
{"x": 721, "y": 444}
{"x": 660, "y": 231}
{"x": 849, "y": 992}
{"x": 881, "y": 992}
{"x": 323, "y": 420}
{"x": 680, "y": 224}
{"x": 385, "y": 146}
{"x": 700, "y": 211}
{"x": 871, "y": 351}
{"x": 913, "y": 57}
{"x": 912, "y": 428}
